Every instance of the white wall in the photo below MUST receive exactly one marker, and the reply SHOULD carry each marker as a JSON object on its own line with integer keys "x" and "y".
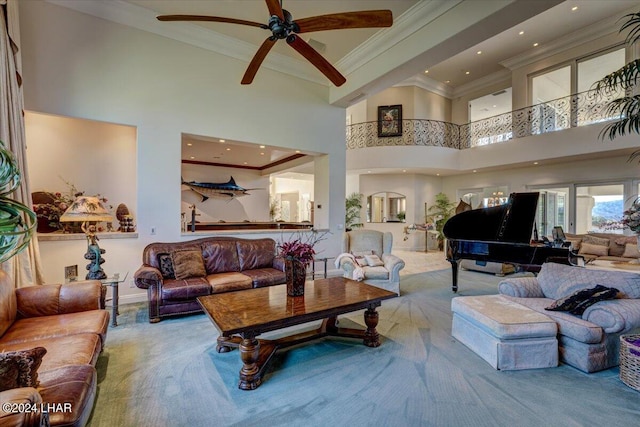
{"x": 95, "y": 157}
{"x": 81, "y": 66}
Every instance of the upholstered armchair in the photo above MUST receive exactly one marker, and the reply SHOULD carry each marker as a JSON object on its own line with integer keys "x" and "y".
{"x": 362, "y": 242}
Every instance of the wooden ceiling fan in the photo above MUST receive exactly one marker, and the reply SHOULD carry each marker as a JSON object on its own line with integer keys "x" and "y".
{"x": 282, "y": 26}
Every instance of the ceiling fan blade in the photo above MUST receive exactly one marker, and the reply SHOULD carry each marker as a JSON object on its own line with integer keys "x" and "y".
{"x": 275, "y": 8}
{"x": 340, "y": 21}
{"x": 257, "y": 60}
{"x": 205, "y": 18}
{"x": 316, "y": 59}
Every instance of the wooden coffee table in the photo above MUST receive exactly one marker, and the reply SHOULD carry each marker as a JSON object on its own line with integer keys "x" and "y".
{"x": 241, "y": 316}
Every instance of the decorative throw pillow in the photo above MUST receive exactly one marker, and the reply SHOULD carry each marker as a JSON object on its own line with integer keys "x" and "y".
{"x": 359, "y": 256}
{"x": 577, "y": 302}
{"x": 166, "y": 266}
{"x": 571, "y": 301}
{"x": 188, "y": 263}
{"x": 601, "y": 241}
{"x": 575, "y": 242}
{"x": 20, "y": 368}
{"x": 605, "y": 294}
{"x": 623, "y": 240}
{"x": 9, "y": 372}
{"x": 373, "y": 260}
{"x": 631, "y": 250}
{"x": 592, "y": 249}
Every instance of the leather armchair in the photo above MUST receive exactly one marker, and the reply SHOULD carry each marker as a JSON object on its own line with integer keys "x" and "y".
{"x": 386, "y": 276}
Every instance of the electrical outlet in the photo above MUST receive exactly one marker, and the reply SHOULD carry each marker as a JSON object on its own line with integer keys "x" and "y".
{"x": 153, "y": 231}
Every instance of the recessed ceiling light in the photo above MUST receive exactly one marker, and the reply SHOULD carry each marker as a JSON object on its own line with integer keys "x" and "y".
{"x": 368, "y": 171}
{"x": 574, "y": 8}
{"x": 192, "y": 157}
{"x": 262, "y": 146}
{"x": 521, "y": 32}
{"x": 474, "y": 171}
{"x": 479, "y": 52}
{"x": 535, "y": 163}
{"x": 467, "y": 72}
{"x": 228, "y": 149}
{"x": 189, "y": 144}
{"x": 404, "y": 170}
{"x": 447, "y": 81}
{"x": 297, "y": 151}
{"x": 437, "y": 174}
{"x": 245, "y": 163}
{"x": 222, "y": 140}
{"x": 535, "y": 44}
{"x": 494, "y": 106}
{"x": 262, "y": 154}
{"x": 426, "y": 71}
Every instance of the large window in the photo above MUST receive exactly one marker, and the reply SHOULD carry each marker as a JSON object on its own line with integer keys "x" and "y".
{"x": 599, "y": 208}
{"x": 552, "y": 210}
{"x": 590, "y": 70}
{"x": 563, "y": 98}
{"x": 490, "y": 118}
{"x": 547, "y": 92}
{"x": 594, "y": 68}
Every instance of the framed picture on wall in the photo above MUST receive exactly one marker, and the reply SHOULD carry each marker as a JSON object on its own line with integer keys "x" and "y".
{"x": 389, "y": 120}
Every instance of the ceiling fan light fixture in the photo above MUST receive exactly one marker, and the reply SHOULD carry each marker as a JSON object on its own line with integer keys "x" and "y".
{"x": 282, "y": 26}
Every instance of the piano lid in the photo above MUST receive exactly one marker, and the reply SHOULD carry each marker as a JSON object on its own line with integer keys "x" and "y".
{"x": 511, "y": 222}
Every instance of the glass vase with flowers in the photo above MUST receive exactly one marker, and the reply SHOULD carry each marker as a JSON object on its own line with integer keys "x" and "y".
{"x": 298, "y": 253}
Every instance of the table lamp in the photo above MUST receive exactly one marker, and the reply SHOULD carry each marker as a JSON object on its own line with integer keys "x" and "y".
{"x": 89, "y": 211}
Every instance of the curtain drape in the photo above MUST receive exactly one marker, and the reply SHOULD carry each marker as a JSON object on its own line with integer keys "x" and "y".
{"x": 24, "y": 268}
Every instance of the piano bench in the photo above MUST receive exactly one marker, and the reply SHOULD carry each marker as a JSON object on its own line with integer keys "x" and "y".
{"x": 506, "y": 334}
{"x": 498, "y": 268}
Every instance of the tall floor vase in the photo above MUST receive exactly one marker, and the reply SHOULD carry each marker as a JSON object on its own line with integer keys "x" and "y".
{"x": 296, "y": 272}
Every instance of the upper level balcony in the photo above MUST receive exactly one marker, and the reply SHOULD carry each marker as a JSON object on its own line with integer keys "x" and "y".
{"x": 571, "y": 127}
{"x": 576, "y": 110}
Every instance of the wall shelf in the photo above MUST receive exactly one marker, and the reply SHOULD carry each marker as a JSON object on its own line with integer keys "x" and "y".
{"x": 52, "y": 237}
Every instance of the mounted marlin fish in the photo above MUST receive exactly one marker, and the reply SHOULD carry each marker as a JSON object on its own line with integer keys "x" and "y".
{"x": 219, "y": 190}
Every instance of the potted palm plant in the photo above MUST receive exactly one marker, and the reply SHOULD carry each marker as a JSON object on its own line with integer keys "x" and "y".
{"x": 353, "y": 206}
{"x": 441, "y": 211}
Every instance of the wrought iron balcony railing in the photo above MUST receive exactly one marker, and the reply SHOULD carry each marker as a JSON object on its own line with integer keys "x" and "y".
{"x": 580, "y": 109}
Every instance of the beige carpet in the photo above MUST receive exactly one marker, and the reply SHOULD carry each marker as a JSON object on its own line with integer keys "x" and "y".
{"x": 169, "y": 374}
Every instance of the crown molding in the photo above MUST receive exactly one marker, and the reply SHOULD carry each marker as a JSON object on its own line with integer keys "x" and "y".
{"x": 428, "y": 84}
{"x": 414, "y": 18}
{"x": 144, "y": 19}
{"x": 501, "y": 76}
{"x": 592, "y": 32}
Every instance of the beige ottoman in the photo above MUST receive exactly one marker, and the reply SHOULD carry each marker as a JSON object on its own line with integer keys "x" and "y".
{"x": 504, "y": 333}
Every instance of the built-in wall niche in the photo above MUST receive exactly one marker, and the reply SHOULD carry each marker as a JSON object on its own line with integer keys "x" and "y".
{"x": 386, "y": 206}
{"x": 66, "y": 154}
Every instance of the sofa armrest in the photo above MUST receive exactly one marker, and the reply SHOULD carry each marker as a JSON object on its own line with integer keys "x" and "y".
{"x": 393, "y": 264}
{"x": 618, "y": 315}
{"x": 521, "y": 287}
{"x": 49, "y": 300}
{"x": 348, "y": 265}
{"x": 22, "y": 396}
{"x": 147, "y": 276}
{"x": 278, "y": 263}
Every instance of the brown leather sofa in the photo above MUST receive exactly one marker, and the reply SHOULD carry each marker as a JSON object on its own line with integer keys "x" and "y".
{"x": 67, "y": 320}
{"x": 230, "y": 264}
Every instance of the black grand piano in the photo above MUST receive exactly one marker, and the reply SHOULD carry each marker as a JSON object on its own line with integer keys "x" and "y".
{"x": 499, "y": 234}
